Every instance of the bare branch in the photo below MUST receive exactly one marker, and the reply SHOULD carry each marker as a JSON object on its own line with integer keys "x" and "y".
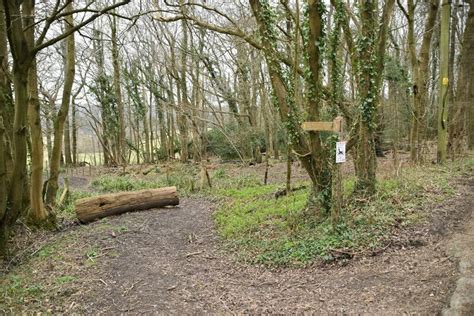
{"x": 39, "y": 45}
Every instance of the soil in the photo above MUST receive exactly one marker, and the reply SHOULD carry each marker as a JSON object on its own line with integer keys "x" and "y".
{"x": 171, "y": 261}
{"x": 461, "y": 246}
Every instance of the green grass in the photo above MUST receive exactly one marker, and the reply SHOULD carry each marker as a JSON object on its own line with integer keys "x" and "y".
{"x": 65, "y": 279}
{"x": 47, "y": 251}
{"x": 121, "y": 229}
{"x": 184, "y": 177}
{"x": 263, "y": 230}
{"x": 19, "y": 290}
{"x": 66, "y": 210}
{"x": 92, "y": 253}
{"x": 125, "y": 183}
{"x": 53, "y": 249}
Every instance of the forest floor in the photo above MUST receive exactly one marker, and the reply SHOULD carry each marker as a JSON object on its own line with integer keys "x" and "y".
{"x": 174, "y": 261}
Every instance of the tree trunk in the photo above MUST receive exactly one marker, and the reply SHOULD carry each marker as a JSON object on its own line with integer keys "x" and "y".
{"x": 69, "y": 70}
{"x": 172, "y": 136}
{"x": 420, "y": 74}
{"x": 465, "y": 87}
{"x": 171, "y": 125}
{"x": 99, "y": 59}
{"x": 182, "y": 119}
{"x": 6, "y": 107}
{"x": 89, "y": 209}
{"x": 22, "y": 60}
{"x": 19, "y": 185}
{"x": 371, "y": 49}
{"x": 3, "y": 172}
{"x": 146, "y": 131}
{"x": 443, "y": 83}
{"x": 152, "y": 133}
{"x": 120, "y": 155}
{"x": 454, "y": 118}
{"x": 49, "y": 130}
{"x": 365, "y": 159}
{"x": 38, "y": 214}
{"x": 74, "y": 133}
{"x": 162, "y": 126}
{"x": 67, "y": 143}
{"x": 310, "y": 150}
{"x": 243, "y": 92}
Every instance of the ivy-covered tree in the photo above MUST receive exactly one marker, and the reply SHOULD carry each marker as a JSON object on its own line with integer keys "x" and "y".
{"x": 368, "y": 56}
{"x": 313, "y": 148}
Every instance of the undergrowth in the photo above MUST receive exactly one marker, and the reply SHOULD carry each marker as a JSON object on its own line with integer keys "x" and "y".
{"x": 279, "y": 232}
{"x": 183, "y": 177}
{"x": 66, "y": 210}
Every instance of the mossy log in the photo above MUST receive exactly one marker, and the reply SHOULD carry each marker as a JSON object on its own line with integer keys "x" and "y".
{"x": 92, "y": 208}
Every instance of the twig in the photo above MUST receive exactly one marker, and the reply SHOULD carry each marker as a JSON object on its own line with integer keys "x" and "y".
{"x": 172, "y": 288}
{"x": 102, "y": 281}
{"x": 344, "y": 252}
{"x": 108, "y": 248}
{"x": 283, "y": 192}
{"x": 131, "y": 288}
{"x": 193, "y": 254}
{"x": 143, "y": 224}
{"x": 209, "y": 257}
{"x": 382, "y": 249}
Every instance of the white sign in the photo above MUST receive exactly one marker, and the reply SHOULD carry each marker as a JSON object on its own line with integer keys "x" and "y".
{"x": 340, "y": 152}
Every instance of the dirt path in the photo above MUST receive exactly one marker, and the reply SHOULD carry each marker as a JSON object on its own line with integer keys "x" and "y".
{"x": 169, "y": 261}
{"x": 461, "y": 246}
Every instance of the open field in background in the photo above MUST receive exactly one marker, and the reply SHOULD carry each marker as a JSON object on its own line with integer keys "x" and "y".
{"x": 95, "y": 159}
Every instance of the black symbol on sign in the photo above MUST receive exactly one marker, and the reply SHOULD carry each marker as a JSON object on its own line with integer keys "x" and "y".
{"x": 340, "y": 152}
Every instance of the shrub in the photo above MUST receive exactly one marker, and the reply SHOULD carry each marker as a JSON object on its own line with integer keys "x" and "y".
{"x": 238, "y": 140}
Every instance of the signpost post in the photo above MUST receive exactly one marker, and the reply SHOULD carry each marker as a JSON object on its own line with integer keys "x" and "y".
{"x": 335, "y": 126}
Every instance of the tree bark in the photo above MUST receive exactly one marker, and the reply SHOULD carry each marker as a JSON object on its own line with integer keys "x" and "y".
{"x": 19, "y": 185}
{"x": 3, "y": 172}
{"x": 464, "y": 104}
{"x": 371, "y": 49}
{"x": 99, "y": 59}
{"x": 182, "y": 119}
{"x": 310, "y": 151}
{"x": 38, "y": 214}
{"x": 74, "y": 133}
{"x": 22, "y": 60}
{"x": 120, "y": 145}
{"x": 443, "y": 83}
{"x": 150, "y": 126}
{"x": 49, "y": 129}
{"x": 69, "y": 70}
{"x": 67, "y": 143}
{"x": 6, "y": 108}
{"x": 420, "y": 74}
{"x": 89, "y": 209}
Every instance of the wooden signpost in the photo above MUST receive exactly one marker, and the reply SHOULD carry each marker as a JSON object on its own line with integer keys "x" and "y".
{"x": 335, "y": 126}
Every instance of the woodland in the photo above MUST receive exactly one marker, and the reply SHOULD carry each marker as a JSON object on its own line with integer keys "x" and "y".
{"x": 211, "y": 100}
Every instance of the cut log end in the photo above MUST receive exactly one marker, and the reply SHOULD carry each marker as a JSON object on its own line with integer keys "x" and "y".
{"x": 92, "y": 208}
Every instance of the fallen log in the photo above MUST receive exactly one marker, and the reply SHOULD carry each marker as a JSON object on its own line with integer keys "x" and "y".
{"x": 92, "y": 208}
